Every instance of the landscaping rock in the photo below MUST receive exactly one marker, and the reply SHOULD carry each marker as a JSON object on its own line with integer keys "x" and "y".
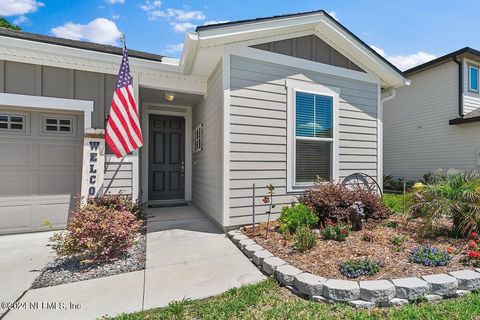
{"x": 361, "y": 304}
{"x": 322, "y": 299}
{"x": 341, "y": 290}
{"x": 269, "y": 265}
{"x": 294, "y": 290}
{"x": 309, "y": 284}
{"x": 250, "y": 249}
{"x": 397, "y": 302}
{"x": 441, "y": 284}
{"x": 238, "y": 237}
{"x": 467, "y": 279}
{"x": 246, "y": 242}
{"x": 259, "y": 256}
{"x": 286, "y": 274}
{"x": 233, "y": 233}
{"x": 433, "y": 297}
{"x": 461, "y": 293}
{"x": 377, "y": 290}
{"x": 410, "y": 288}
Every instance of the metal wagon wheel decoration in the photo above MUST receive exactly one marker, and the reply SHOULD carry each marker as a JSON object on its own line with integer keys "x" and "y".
{"x": 359, "y": 180}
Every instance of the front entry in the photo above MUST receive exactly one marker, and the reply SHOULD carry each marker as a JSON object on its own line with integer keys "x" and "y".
{"x": 166, "y": 163}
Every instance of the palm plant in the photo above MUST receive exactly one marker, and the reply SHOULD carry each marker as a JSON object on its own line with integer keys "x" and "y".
{"x": 454, "y": 195}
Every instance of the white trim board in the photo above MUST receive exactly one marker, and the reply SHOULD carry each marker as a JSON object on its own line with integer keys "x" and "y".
{"x": 226, "y": 138}
{"x": 294, "y": 86}
{"x": 37, "y": 102}
{"x": 178, "y": 111}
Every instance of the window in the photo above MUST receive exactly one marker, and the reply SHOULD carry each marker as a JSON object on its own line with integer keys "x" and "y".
{"x": 312, "y": 139}
{"x": 473, "y": 79}
{"x": 198, "y": 138}
{"x": 12, "y": 122}
{"x": 57, "y": 125}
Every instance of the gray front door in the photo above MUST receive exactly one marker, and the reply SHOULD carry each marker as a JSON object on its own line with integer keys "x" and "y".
{"x": 166, "y": 158}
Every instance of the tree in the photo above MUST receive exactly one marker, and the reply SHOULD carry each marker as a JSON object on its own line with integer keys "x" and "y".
{"x": 5, "y": 24}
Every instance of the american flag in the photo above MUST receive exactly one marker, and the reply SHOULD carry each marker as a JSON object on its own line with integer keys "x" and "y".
{"x": 123, "y": 134}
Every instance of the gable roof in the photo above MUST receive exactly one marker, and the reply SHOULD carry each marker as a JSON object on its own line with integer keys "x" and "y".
{"x": 255, "y": 31}
{"x": 300, "y": 14}
{"x": 466, "y": 51}
{"x": 77, "y": 44}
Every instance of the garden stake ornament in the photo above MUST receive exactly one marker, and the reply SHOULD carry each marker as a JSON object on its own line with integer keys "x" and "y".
{"x": 269, "y": 199}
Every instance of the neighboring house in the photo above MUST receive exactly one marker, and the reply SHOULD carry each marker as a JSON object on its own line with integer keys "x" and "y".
{"x": 273, "y": 100}
{"x": 433, "y": 123}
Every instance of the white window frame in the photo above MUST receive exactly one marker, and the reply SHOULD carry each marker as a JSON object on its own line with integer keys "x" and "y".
{"x": 470, "y": 67}
{"x": 198, "y": 139}
{"x": 24, "y": 123}
{"x": 294, "y": 86}
{"x": 43, "y": 125}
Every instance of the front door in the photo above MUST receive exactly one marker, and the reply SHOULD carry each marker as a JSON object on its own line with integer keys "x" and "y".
{"x": 166, "y": 163}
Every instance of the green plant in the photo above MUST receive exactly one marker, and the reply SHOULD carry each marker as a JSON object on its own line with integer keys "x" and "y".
{"x": 335, "y": 232}
{"x": 430, "y": 256}
{"x": 396, "y": 184}
{"x": 305, "y": 239}
{"x": 451, "y": 194}
{"x": 117, "y": 202}
{"x": 296, "y": 216}
{"x": 331, "y": 201}
{"x": 359, "y": 267}
{"x": 398, "y": 240}
{"x": 368, "y": 236}
{"x": 398, "y": 202}
{"x": 97, "y": 233}
{"x": 391, "y": 224}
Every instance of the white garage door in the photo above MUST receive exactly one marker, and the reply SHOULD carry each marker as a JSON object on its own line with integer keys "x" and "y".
{"x": 40, "y": 168}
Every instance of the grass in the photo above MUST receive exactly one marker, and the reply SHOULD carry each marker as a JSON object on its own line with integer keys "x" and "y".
{"x": 397, "y": 203}
{"x": 266, "y": 300}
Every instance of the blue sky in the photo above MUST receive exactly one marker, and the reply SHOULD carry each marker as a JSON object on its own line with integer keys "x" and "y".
{"x": 406, "y": 32}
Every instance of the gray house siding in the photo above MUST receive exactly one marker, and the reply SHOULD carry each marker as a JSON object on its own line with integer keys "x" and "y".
{"x": 418, "y": 138}
{"x": 258, "y": 139}
{"x": 310, "y": 48}
{"x": 207, "y": 164}
{"x": 37, "y": 80}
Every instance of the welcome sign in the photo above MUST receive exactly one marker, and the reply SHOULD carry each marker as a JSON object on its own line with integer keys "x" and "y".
{"x": 93, "y": 163}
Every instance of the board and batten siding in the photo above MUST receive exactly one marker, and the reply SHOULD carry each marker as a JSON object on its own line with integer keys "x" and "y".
{"x": 207, "y": 164}
{"x": 37, "y": 80}
{"x": 258, "y": 132}
{"x": 417, "y": 136}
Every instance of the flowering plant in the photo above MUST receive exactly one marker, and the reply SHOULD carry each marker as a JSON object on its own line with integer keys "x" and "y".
{"x": 361, "y": 267}
{"x": 430, "y": 256}
{"x": 473, "y": 247}
{"x": 335, "y": 232}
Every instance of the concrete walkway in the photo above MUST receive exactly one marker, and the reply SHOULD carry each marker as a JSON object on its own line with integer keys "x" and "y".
{"x": 187, "y": 257}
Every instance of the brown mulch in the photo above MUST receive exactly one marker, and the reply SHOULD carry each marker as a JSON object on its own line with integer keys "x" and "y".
{"x": 324, "y": 258}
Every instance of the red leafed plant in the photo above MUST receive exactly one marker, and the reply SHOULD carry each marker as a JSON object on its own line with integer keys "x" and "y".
{"x": 97, "y": 233}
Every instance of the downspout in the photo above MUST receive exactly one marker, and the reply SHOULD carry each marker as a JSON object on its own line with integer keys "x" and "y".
{"x": 460, "y": 86}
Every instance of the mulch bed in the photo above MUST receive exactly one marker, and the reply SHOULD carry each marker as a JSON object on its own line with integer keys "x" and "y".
{"x": 69, "y": 268}
{"x": 324, "y": 258}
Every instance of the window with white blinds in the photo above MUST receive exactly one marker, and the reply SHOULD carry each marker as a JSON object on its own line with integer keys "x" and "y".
{"x": 313, "y": 137}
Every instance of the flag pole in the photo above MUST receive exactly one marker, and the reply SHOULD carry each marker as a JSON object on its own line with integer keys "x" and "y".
{"x": 122, "y": 39}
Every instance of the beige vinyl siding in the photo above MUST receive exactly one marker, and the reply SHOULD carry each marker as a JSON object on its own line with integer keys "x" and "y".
{"x": 258, "y": 138}
{"x": 118, "y": 176}
{"x": 207, "y": 164}
{"x": 418, "y": 138}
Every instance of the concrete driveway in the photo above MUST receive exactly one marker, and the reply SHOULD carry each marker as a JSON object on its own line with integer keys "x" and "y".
{"x": 188, "y": 257}
{"x": 22, "y": 258}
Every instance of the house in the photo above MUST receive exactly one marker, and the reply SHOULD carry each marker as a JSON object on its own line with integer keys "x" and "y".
{"x": 433, "y": 123}
{"x": 272, "y": 100}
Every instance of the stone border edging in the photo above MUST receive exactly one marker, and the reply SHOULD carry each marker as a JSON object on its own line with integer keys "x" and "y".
{"x": 358, "y": 294}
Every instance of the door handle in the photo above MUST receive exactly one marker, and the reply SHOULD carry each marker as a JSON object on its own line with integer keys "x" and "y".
{"x": 183, "y": 168}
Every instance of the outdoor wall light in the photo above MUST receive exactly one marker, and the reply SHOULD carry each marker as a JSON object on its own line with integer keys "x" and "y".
{"x": 169, "y": 96}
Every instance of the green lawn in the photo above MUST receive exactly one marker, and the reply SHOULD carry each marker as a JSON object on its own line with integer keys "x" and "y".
{"x": 398, "y": 202}
{"x": 267, "y": 300}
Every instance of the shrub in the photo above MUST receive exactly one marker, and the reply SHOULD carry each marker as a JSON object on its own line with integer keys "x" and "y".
{"x": 330, "y": 202}
{"x": 118, "y": 203}
{"x": 98, "y": 233}
{"x": 473, "y": 248}
{"x": 296, "y": 216}
{"x": 453, "y": 195}
{"x": 359, "y": 267}
{"x": 305, "y": 239}
{"x": 430, "y": 256}
{"x": 396, "y": 184}
{"x": 335, "y": 232}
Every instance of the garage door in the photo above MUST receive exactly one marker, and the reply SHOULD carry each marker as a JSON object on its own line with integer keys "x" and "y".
{"x": 40, "y": 168}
